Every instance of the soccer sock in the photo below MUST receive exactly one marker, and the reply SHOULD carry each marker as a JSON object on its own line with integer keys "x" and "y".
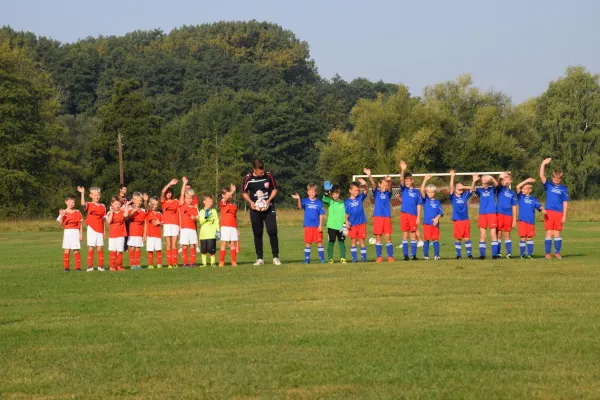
{"x": 436, "y": 248}
{"x": 330, "y": 250}
{"x": 213, "y": 258}
{"x": 378, "y": 249}
{"x": 522, "y": 247}
{"x": 413, "y": 248}
{"x": 353, "y": 253}
{"x": 458, "y": 247}
{"x": 174, "y": 256}
{"x": 101, "y": 259}
{"x": 233, "y": 256}
{"x": 159, "y": 257}
{"x": 495, "y": 248}
{"x": 203, "y": 258}
{"x": 138, "y": 255}
{"x": 307, "y": 254}
{"x": 508, "y": 244}
{"x": 363, "y": 253}
{"x": 468, "y": 247}
{"x": 184, "y": 256}
{"x": 120, "y": 260}
{"x": 112, "y": 257}
{"x": 193, "y": 256}
{"x": 405, "y": 248}
{"x": 77, "y": 260}
{"x": 150, "y": 258}
{"x": 390, "y": 249}
{"x": 131, "y": 257}
{"x": 342, "y": 245}
{"x": 482, "y": 249}
{"x": 426, "y": 248}
{"x": 548, "y": 245}
{"x": 530, "y": 247}
{"x": 90, "y": 258}
{"x": 222, "y": 257}
{"x": 321, "y": 253}
{"x": 66, "y": 257}
{"x": 557, "y": 245}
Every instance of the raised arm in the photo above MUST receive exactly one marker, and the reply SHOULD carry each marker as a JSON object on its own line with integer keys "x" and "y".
{"x": 475, "y": 179}
{"x": 425, "y": 179}
{"x": 520, "y": 185}
{"x": 171, "y": 183}
{"x": 402, "y": 170}
{"x": 184, "y": 181}
{"x": 363, "y": 186}
{"x": 145, "y": 197}
{"x": 452, "y": 174}
{"x": 367, "y": 172}
{"x": 81, "y": 190}
{"x": 297, "y": 197}
{"x": 61, "y": 215}
{"x": 494, "y": 181}
{"x": 543, "y": 170}
{"x": 109, "y": 217}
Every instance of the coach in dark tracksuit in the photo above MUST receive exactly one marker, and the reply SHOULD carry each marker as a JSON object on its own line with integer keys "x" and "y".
{"x": 262, "y": 185}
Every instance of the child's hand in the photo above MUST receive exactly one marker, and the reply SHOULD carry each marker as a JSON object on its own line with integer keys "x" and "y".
{"x": 388, "y": 178}
{"x": 476, "y": 177}
{"x": 155, "y": 222}
{"x": 403, "y": 165}
{"x": 530, "y": 180}
{"x": 184, "y": 180}
{"x": 436, "y": 221}
{"x": 174, "y": 181}
{"x": 362, "y": 181}
{"x": 327, "y": 185}
{"x": 144, "y": 238}
{"x": 296, "y": 196}
{"x": 514, "y": 224}
{"x": 427, "y": 177}
{"x": 80, "y": 189}
{"x": 62, "y": 212}
{"x": 452, "y": 172}
{"x": 232, "y": 188}
{"x": 80, "y": 236}
{"x": 544, "y": 211}
{"x": 546, "y": 161}
{"x": 145, "y": 196}
{"x": 367, "y": 171}
{"x": 563, "y": 219}
{"x": 320, "y": 228}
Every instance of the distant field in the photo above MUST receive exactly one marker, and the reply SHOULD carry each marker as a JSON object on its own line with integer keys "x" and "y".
{"x": 447, "y": 329}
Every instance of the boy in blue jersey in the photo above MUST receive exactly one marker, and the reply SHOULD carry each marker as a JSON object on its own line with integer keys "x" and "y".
{"x": 507, "y": 213}
{"x": 527, "y": 206}
{"x": 459, "y": 196}
{"x": 410, "y": 212}
{"x": 313, "y": 222}
{"x": 382, "y": 215}
{"x": 356, "y": 220}
{"x": 557, "y": 197}
{"x": 487, "y": 213}
{"x": 431, "y": 219}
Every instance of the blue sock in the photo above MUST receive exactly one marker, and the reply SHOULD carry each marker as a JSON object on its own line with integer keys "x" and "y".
{"x": 378, "y": 249}
{"x": 468, "y": 247}
{"x": 508, "y": 244}
{"x": 548, "y": 245}
{"x": 458, "y": 247}
{"x": 353, "y": 253}
{"x": 390, "y": 249}
{"x": 436, "y": 248}
{"x": 413, "y": 247}
{"x": 363, "y": 253}
{"x": 522, "y": 247}
{"x": 482, "y": 249}
{"x": 530, "y": 247}
{"x": 405, "y": 248}
{"x": 495, "y": 248}
{"x": 557, "y": 245}
{"x": 321, "y": 253}
{"x": 307, "y": 254}
{"x": 426, "y": 248}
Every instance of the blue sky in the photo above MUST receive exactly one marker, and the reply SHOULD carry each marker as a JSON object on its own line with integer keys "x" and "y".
{"x": 513, "y": 46}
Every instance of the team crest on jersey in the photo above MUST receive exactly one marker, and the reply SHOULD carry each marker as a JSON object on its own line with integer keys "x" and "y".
{"x": 267, "y": 185}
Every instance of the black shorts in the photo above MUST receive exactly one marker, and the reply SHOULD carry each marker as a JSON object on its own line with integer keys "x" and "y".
{"x": 208, "y": 246}
{"x": 335, "y": 234}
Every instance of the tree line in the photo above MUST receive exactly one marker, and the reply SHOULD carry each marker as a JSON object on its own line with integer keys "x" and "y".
{"x": 203, "y": 101}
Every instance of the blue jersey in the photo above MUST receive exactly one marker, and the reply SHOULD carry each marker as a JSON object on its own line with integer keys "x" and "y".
{"x": 506, "y": 200}
{"x": 355, "y": 210}
{"x": 460, "y": 208}
{"x": 411, "y": 198}
{"x": 313, "y": 209}
{"x": 487, "y": 200}
{"x": 432, "y": 208}
{"x": 527, "y": 207}
{"x": 555, "y": 195}
{"x": 383, "y": 206}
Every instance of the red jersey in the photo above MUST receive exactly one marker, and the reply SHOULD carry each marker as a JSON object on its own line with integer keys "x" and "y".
{"x": 95, "y": 216}
{"x": 116, "y": 228}
{"x": 136, "y": 222}
{"x": 72, "y": 220}
{"x": 170, "y": 210}
{"x": 187, "y": 212}
{"x": 228, "y": 214}
{"x": 151, "y": 230}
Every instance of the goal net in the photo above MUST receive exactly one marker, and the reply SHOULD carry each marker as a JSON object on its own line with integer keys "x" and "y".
{"x": 440, "y": 180}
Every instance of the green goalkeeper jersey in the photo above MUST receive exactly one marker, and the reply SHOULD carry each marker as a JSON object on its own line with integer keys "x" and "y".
{"x": 209, "y": 226}
{"x": 337, "y": 213}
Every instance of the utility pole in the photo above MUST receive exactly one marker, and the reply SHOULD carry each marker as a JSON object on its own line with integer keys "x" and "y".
{"x": 120, "y": 144}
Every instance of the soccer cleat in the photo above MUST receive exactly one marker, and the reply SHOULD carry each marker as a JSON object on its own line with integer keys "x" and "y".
{"x": 342, "y": 260}
{"x": 91, "y": 269}
{"x": 113, "y": 269}
{"x": 548, "y": 256}
{"x": 276, "y": 261}
{"x": 406, "y": 258}
{"x": 482, "y": 257}
{"x": 470, "y": 258}
{"x": 414, "y": 258}
{"x": 101, "y": 269}
{"x": 363, "y": 260}
{"x": 331, "y": 261}
{"x": 495, "y": 257}
{"x": 175, "y": 265}
{"x": 136, "y": 268}
{"x": 150, "y": 266}
{"x": 459, "y": 257}
{"x": 437, "y": 258}
{"x": 558, "y": 256}
{"x": 120, "y": 269}
{"x": 77, "y": 269}
{"x": 186, "y": 265}
{"x": 170, "y": 266}
{"x": 259, "y": 262}
{"x": 500, "y": 255}
{"x": 509, "y": 256}
{"x": 529, "y": 256}
{"x": 420, "y": 243}
{"x": 354, "y": 261}
{"x": 321, "y": 261}
{"x": 390, "y": 259}
{"x": 213, "y": 265}
{"x": 202, "y": 265}
{"x": 67, "y": 270}
{"x": 221, "y": 264}
{"x": 192, "y": 265}
{"x": 234, "y": 264}
{"x": 379, "y": 260}
{"x": 425, "y": 258}
{"x": 159, "y": 266}
{"x": 524, "y": 257}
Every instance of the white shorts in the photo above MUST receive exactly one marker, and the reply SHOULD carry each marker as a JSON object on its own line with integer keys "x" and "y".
{"x": 229, "y": 234}
{"x": 188, "y": 236}
{"x": 170, "y": 230}
{"x": 153, "y": 244}
{"x": 135, "y": 241}
{"x": 94, "y": 239}
{"x": 71, "y": 239}
{"x": 116, "y": 244}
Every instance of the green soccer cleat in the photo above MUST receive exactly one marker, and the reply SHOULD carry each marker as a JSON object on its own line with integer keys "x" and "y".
{"x": 342, "y": 260}
{"x": 159, "y": 266}
{"x": 150, "y": 266}
{"x": 331, "y": 261}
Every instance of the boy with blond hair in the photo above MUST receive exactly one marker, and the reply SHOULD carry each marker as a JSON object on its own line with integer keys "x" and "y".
{"x": 431, "y": 219}
{"x": 557, "y": 198}
{"x": 410, "y": 212}
{"x": 314, "y": 211}
{"x": 96, "y": 212}
{"x": 188, "y": 236}
{"x": 382, "y": 215}
{"x": 459, "y": 197}
{"x": 229, "y": 226}
{"x": 116, "y": 219}
{"x": 488, "y": 217}
{"x": 527, "y": 206}
{"x": 70, "y": 219}
{"x": 356, "y": 219}
{"x": 507, "y": 213}
{"x": 152, "y": 234}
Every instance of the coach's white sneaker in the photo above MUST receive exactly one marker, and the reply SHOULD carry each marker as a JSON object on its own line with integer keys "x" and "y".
{"x": 276, "y": 261}
{"x": 420, "y": 243}
{"x": 90, "y": 269}
{"x": 259, "y": 262}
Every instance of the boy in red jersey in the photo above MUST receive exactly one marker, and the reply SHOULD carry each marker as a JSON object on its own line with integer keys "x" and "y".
{"x": 70, "y": 219}
{"x": 96, "y": 213}
{"x": 117, "y": 232}
{"x": 137, "y": 221}
{"x": 170, "y": 209}
{"x": 188, "y": 214}
{"x": 152, "y": 232}
{"x": 229, "y": 231}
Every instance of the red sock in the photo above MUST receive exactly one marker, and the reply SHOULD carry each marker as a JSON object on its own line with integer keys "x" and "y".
{"x": 150, "y": 258}
{"x": 101, "y": 258}
{"x": 90, "y": 258}
{"x": 66, "y": 257}
{"x": 233, "y": 256}
{"x": 185, "y": 256}
{"x": 132, "y": 256}
{"x": 169, "y": 261}
{"x": 174, "y": 256}
{"x": 112, "y": 258}
{"x": 193, "y": 255}
{"x": 77, "y": 260}
{"x": 120, "y": 260}
{"x": 159, "y": 257}
{"x": 222, "y": 257}
{"x": 138, "y": 255}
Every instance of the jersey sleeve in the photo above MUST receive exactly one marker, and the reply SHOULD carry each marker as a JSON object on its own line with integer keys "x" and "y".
{"x": 273, "y": 181}
{"x": 245, "y": 182}
{"x": 361, "y": 196}
{"x": 477, "y": 191}
{"x": 346, "y": 209}
{"x": 537, "y": 205}
{"x": 326, "y": 200}
{"x": 468, "y": 195}
{"x": 547, "y": 184}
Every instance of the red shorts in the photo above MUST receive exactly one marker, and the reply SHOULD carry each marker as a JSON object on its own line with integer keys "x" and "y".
{"x": 431, "y": 232}
{"x": 312, "y": 235}
{"x": 488, "y": 221}
{"x": 358, "y": 231}
{"x": 462, "y": 229}
{"x": 553, "y": 220}
{"x": 382, "y": 226}
{"x": 505, "y": 223}
{"x": 408, "y": 222}
{"x": 526, "y": 230}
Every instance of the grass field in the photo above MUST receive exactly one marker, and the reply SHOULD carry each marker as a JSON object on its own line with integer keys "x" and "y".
{"x": 447, "y": 329}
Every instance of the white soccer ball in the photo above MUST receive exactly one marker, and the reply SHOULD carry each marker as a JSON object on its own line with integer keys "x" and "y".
{"x": 261, "y": 205}
{"x": 372, "y": 241}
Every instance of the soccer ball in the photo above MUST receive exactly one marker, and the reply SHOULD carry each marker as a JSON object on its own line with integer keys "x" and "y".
{"x": 261, "y": 205}
{"x": 372, "y": 241}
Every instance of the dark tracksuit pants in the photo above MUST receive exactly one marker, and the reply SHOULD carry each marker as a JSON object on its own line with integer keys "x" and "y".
{"x": 259, "y": 220}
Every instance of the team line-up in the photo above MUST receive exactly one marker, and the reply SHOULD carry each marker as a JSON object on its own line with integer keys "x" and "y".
{"x": 181, "y": 217}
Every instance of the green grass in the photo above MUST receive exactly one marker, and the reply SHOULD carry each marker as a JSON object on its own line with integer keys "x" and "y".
{"x": 448, "y": 329}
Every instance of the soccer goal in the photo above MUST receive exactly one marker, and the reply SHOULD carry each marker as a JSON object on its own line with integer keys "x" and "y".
{"x": 441, "y": 180}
